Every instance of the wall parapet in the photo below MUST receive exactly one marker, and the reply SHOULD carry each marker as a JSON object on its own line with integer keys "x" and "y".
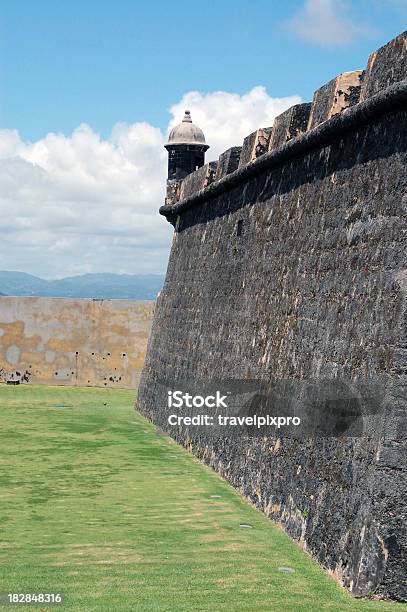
{"x": 391, "y": 99}
{"x": 347, "y": 101}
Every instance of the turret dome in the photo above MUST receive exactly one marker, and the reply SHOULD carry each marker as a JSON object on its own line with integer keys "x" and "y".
{"x": 187, "y": 133}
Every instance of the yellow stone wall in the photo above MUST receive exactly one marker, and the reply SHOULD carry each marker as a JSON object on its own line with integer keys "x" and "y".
{"x": 82, "y": 342}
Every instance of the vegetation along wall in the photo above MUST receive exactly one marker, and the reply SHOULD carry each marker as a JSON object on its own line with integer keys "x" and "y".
{"x": 289, "y": 263}
{"x": 80, "y": 342}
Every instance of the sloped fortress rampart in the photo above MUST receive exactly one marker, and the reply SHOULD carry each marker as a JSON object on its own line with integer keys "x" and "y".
{"x": 289, "y": 262}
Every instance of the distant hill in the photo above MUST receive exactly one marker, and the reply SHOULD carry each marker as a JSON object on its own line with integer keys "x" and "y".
{"x": 102, "y": 286}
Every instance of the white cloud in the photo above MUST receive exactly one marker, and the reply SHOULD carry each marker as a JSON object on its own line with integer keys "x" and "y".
{"x": 325, "y": 22}
{"x": 80, "y": 203}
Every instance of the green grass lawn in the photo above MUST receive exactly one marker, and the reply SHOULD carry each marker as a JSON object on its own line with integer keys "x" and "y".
{"x": 96, "y": 504}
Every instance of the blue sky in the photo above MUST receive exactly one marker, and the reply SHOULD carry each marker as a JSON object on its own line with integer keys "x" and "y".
{"x": 88, "y": 91}
{"x": 102, "y": 61}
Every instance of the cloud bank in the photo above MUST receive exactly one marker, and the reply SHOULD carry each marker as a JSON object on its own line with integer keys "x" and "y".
{"x": 80, "y": 203}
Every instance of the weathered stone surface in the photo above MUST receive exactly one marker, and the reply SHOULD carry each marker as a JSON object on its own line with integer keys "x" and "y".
{"x": 173, "y": 191}
{"x": 294, "y": 269}
{"x": 334, "y": 97}
{"x": 289, "y": 124}
{"x": 255, "y": 145}
{"x": 299, "y": 273}
{"x": 385, "y": 66}
{"x": 246, "y": 154}
{"x": 58, "y": 341}
{"x": 228, "y": 162}
{"x": 198, "y": 180}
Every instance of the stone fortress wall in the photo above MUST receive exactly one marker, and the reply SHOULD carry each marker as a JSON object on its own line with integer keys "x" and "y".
{"x": 58, "y": 341}
{"x": 289, "y": 261}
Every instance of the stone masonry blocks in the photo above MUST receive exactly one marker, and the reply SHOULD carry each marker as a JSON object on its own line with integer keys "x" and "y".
{"x": 255, "y": 145}
{"x": 289, "y": 124}
{"x": 228, "y": 162}
{"x": 334, "y": 97}
{"x": 198, "y": 180}
{"x": 173, "y": 191}
{"x": 386, "y": 66}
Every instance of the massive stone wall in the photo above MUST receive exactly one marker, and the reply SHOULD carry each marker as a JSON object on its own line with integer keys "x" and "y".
{"x": 293, "y": 266}
{"x": 73, "y": 341}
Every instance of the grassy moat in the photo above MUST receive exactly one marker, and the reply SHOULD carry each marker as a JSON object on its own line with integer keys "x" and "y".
{"x": 99, "y": 506}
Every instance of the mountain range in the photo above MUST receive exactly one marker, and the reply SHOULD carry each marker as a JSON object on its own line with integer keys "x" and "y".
{"x": 99, "y": 286}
